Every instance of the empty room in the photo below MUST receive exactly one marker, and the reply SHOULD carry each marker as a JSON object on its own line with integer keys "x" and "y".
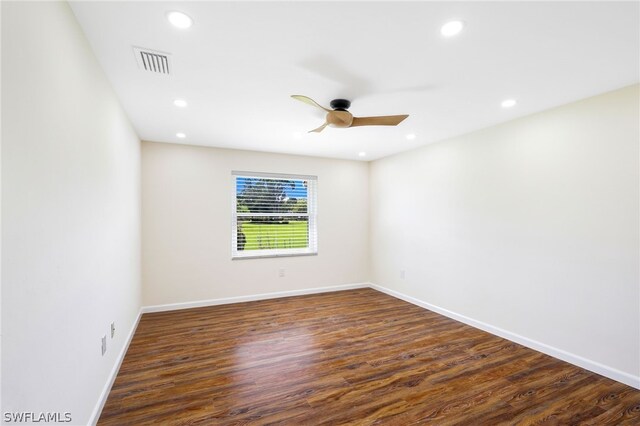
{"x": 320, "y": 213}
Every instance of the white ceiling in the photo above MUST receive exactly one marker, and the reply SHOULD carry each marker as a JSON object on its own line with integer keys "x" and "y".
{"x": 240, "y": 61}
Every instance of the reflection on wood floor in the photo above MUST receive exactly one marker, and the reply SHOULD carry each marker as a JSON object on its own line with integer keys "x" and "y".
{"x": 349, "y": 357}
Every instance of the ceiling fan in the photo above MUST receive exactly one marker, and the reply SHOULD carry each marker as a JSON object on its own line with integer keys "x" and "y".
{"x": 338, "y": 116}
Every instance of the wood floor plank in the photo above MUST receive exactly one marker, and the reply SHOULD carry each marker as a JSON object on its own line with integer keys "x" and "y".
{"x": 356, "y": 357}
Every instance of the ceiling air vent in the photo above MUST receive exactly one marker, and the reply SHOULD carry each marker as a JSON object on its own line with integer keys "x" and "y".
{"x": 152, "y": 61}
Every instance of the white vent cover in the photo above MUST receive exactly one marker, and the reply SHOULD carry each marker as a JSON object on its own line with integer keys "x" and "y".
{"x": 152, "y": 60}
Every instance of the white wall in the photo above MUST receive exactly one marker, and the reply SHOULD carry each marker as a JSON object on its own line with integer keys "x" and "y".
{"x": 530, "y": 226}
{"x": 0, "y": 219}
{"x": 71, "y": 215}
{"x": 186, "y": 217}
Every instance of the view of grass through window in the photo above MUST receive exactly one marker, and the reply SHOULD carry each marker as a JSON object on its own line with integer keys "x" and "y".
{"x": 271, "y": 213}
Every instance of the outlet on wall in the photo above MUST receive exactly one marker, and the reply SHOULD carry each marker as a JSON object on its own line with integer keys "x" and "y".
{"x": 113, "y": 329}
{"x": 281, "y": 272}
{"x": 104, "y": 344}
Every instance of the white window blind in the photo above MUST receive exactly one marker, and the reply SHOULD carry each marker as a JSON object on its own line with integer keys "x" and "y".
{"x": 273, "y": 215}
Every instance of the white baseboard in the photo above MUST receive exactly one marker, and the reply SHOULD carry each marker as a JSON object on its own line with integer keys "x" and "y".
{"x": 250, "y": 298}
{"x": 95, "y": 415}
{"x": 585, "y": 363}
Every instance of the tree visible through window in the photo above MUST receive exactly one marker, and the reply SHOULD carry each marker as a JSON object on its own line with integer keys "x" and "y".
{"x": 274, "y": 215}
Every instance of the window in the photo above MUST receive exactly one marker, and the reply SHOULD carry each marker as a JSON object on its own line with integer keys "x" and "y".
{"x": 273, "y": 215}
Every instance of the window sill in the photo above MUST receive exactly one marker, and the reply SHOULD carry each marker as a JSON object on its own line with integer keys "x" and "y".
{"x": 266, "y": 256}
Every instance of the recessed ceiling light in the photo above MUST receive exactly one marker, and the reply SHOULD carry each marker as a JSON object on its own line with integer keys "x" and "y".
{"x": 179, "y": 19}
{"x": 362, "y": 154}
{"x": 411, "y": 136}
{"x": 508, "y": 103}
{"x": 181, "y": 135}
{"x": 451, "y": 28}
{"x": 180, "y": 103}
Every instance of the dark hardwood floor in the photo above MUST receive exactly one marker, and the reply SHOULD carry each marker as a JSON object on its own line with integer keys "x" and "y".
{"x": 351, "y": 357}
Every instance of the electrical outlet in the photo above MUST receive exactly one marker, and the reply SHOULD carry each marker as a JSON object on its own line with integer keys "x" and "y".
{"x": 402, "y": 274}
{"x": 281, "y": 272}
{"x": 104, "y": 344}
{"x": 113, "y": 329}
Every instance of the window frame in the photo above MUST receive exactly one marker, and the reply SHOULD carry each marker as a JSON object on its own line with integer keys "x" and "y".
{"x": 312, "y": 213}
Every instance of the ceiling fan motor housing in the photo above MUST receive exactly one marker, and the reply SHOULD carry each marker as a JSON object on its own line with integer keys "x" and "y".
{"x": 340, "y": 104}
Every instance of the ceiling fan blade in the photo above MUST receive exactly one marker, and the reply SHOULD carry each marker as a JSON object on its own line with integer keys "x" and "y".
{"x": 319, "y": 129}
{"x": 339, "y": 118}
{"x": 309, "y": 101}
{"x": 385, "y": 120}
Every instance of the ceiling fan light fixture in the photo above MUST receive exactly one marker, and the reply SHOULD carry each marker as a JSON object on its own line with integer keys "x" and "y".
{"x": 341, "y": 118}
{"x": 451, "y": 28}
{"x": 179, "y": 19}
